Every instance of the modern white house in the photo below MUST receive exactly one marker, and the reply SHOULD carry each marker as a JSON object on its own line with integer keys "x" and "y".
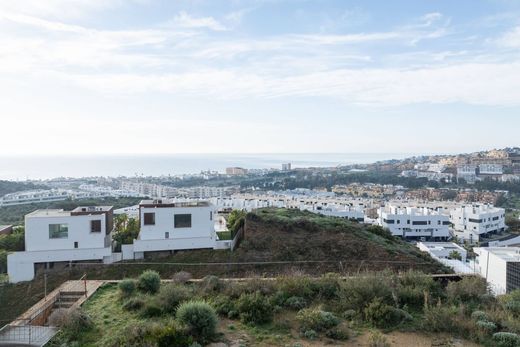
{"x": 414, "y": 222}
{"x": 52, "y": 236}
{"x": 500, "y": 266}
{"x": 467, "y": 172}
{"x": 168, "y": 225}
{"x": 442, "y": 250}
{"x": 471, "y": 223}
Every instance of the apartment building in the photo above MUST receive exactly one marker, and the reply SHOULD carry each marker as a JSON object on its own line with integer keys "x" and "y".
{"x": 168, "y": 225}
{"x": 414, "y": 222}
{"x": 52, "y": 236}
{"x": 236, "y": 171}
{"x": 467, "y": 172}
{"x": 500, "y": 266}
{"x": 476, "y": 221}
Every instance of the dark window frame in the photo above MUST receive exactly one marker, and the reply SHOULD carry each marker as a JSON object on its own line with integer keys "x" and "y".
{"x": 146, "y": 218}
{"x": 95, "y": 226}
{"x": 182, "y": 220}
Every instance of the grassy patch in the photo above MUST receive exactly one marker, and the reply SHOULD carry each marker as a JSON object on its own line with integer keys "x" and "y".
{"x": 224, "y": 235}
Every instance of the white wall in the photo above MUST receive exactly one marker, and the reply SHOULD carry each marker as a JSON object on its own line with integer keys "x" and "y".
{"x": 493, "y": 269}
{"x": 37, "y": 232}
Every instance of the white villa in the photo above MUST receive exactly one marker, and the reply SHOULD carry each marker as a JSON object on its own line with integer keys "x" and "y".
{"x": 500, "y": 266}
{"x": 167, "y": 225}
{"x": 51, "y": 236}
{"x": 414, "y": 222}
{"x": 472, "y": 222}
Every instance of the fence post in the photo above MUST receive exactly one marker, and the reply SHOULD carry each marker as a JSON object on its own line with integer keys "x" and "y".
{"x": 85, "y": 283}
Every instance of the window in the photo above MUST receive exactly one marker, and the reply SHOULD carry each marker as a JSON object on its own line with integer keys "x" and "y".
{"x": 58, "y": 231}
{"x": 473, "y": 220}
{"x": 420, "y": 222}
{"x": 95, "y": 226}
{"x": 75, "y": 244}
{"x": 167, "y": 235}
{"x": 149, "y": 218}
{"x": 182, "y": 221}
{"x": 389, "y": 221}
{"x": 210, "y": 215}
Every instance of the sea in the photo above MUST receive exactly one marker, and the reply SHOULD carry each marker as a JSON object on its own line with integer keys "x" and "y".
{"x": 21, "y": 168}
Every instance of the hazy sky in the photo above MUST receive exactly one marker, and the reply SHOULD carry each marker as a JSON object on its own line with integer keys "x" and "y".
{"x": 145, "y": 76}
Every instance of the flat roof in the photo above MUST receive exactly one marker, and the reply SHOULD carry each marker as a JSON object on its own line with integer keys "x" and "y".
{"x": 505, "y": 253}
{"x": 173, "y": 203}
{"x": 49, "y": 213}
{"x": 92, "y": 209}
{"x": 77, "y": 211}
{"x": 439, "y": 245}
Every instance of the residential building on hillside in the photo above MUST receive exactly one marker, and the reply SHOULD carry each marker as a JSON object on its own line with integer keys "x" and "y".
{"x": 168, "y": 225}
{"x": 500, "y": 266}
{"x": 442, "y": 250}
{"x": 286, "y": 167}
{"x": 414, "y": 222}
{"x": 473, "y": 222}
{"x": 236, "y": 171}
{"x": 490, "y": 169}
{"x": 467, "y": 172}
{"x": 53, "y": 236}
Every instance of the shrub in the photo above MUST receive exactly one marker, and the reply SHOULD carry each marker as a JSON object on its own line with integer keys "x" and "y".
{"x": 171, "y": 295}
{"x": 295, "y": 303}
{"x": 211, "y": 284}
{"x": 182, "y": 277}
{"x": 149, "y": 282}
{"x": 151, "y": 309}
{"x": 316, "y": 319}
{"x": 439, "y": 318}
{"x": 254, "y": 309}
{"x": 469, "y": 289}
{"x": 302, "y": 286}
{"x": 328, "y": 286}
{"x": 357, "y": 293}
{"x": 310, "y": 334}
{"x": 200, "y": 318}
{"x": 377, "y": 339}
{"x": 414, "y": 288}
{"x": 72, "y": 321}
{"x": 504, "y": 339}
{"x": 349, "y": 314}
{"x": 173, "y": 336}
{"x": 479, "y": 316}
{"x": 279, "y": 298}
{"x": 337, "y": 334}
{"x": 225, "y": 306}
{"x": 134, "y": 304}
{"x": 486, "y": 327}
{"x": 381, "y": 315}
{"x": 127, "y": 287}
{"x": 511, "y": 302}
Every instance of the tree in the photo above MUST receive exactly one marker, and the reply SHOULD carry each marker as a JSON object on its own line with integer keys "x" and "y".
{"x": 455, "y": 255}
{"x": 235, "y": 221}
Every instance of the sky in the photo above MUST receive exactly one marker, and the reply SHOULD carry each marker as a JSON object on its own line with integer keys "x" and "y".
{"x": 258, "y": 76}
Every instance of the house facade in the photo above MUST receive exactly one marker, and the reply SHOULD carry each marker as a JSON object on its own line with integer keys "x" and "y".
{"x": 471, "y": 223}
{"x": 500, "y": 266}
{"x": 169, "y": 226}
{"x": 51, "y": 236}
{"x": 414, "y": 222}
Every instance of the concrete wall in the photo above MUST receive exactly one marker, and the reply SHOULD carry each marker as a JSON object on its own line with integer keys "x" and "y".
{"x": 37, "y": 233}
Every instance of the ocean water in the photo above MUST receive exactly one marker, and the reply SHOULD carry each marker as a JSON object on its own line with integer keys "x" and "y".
{"x": 45, "y": 167}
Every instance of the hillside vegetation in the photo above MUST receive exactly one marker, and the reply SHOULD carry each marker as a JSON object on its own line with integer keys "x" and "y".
{"x": 292, "y": 311}
{"x": 7, "y": 187}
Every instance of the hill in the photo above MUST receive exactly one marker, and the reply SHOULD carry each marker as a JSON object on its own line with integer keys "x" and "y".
{"x": 333, "y": 243}
{"x": 7, "y": 187}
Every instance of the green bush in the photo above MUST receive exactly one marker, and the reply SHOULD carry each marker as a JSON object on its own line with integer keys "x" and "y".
{"x": 381, "y": 315}
{"x": 225, "y": 306}
{"x": 200, "y": 318}
{"x": 310, "y": 334}
{"x": 467, "y": 290}
{"x": 211, "y": 284}
{"x": 254, "y": 308}
{"x": 439, "y": 318}
{"x": 357, "y": 293}
{"x": 171, "y": 295}
{"x": 127, "y": 287}
{"x": 479, "y": 316}
{"x": 295, "y": 303}
{"x": 327, "y": 287}
{"x": 486, "y": 327}
{"x": 337, "y": 334}
{"x": 504, "y": 339}
{"x": 415, "y": 288}
{"x": 302, "y": 286}
{"x": 349, "y": 315}
{"x": 173, "y": 336}
{"x": 511, "y": 302}
{"x": 134, "y": 304}
{"x": 72, "y": 321}
{"x": 149, "y": 282}
{"x": 151, "y": 309}
{"x": 316, "y": 319}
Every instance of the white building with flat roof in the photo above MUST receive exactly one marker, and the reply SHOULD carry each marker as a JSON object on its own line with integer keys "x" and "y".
{"x": 63, "y": 236}
{"x": 168, "y": 225}
{"x": 467, "y": 172}
{"x": 414, "y": 222}
{"x": 473, "y": 222}
{"x": 442, "y": 250}
{"x": 500, "y": 266}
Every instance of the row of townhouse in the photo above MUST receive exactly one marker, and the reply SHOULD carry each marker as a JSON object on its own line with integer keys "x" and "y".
{"x": 470, "y": 223}
{"x": 85, "y": 235}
